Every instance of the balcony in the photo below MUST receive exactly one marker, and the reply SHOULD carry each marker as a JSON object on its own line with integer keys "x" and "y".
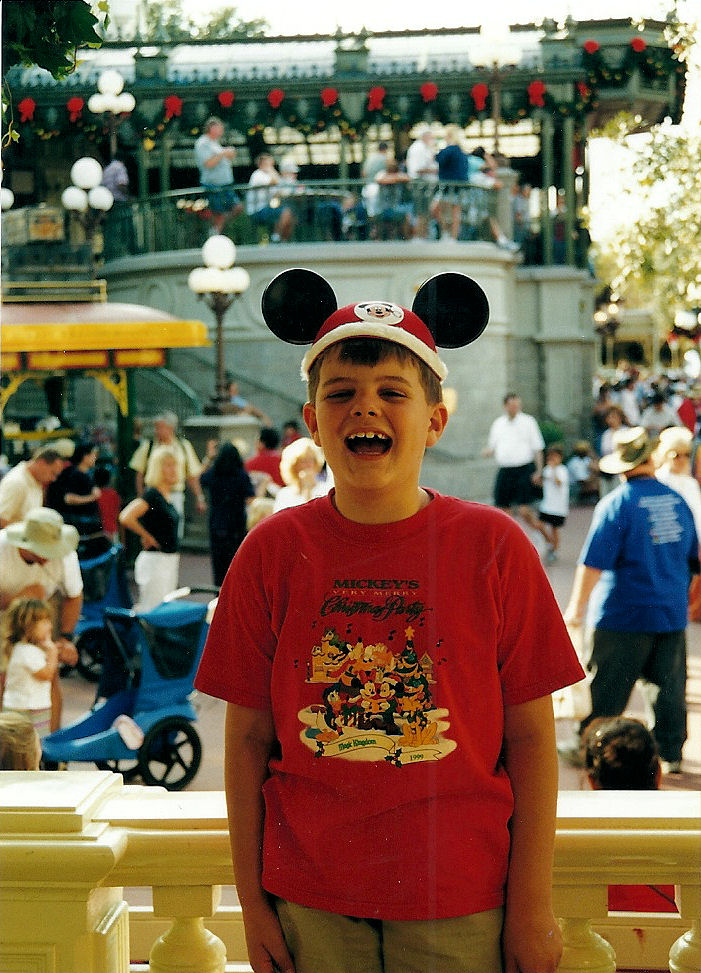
{"x": 70, "y": 842}
{"x": 337, "y": 211}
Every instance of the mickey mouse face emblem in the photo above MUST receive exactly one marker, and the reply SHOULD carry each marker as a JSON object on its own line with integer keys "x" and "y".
{"x": 379, "y": 311}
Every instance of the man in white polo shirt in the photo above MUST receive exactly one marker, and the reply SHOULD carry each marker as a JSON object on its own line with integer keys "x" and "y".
{"x": 516, "y": 442}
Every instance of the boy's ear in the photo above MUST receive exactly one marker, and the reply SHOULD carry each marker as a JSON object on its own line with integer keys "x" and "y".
{"x": 437, "y": 423}
{"x": 309, "y": 416}
{"x": 454, "y": 308}
{"x": 296, "y": 303}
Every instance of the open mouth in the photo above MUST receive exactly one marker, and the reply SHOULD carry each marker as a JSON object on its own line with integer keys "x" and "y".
{"x": 368, "y": 443}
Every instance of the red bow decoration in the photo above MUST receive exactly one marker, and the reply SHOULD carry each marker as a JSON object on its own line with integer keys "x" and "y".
{"x": 583, "y": 90}
{"x": 174, "y": 107}
{"x": 26, "y": 109}
{"x": 375, "y": 98}
{"x": 275, "y": 97}
{"x": 429, "y": 91}
{"x": 225, "y": 98}
{"x": 638, "y": 44}
{"x": 329, "y": 97}
{"x": 479, "y": 94}
{"x": 536, "y": 90}
{"x": 75, "y": 107}
{"x": 591, "y": 47}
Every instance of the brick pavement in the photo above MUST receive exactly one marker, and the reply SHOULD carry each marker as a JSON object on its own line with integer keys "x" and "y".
{"x": 195, "y": 569}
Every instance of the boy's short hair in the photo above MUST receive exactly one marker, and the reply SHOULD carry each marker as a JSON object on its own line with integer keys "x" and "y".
{"x": 621, "y": 754}
{"x": 371, "y": 351}
{"x": 555, "y": 448}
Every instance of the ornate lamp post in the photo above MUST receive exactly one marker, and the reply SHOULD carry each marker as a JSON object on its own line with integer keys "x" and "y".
{"x": 111, "y": 101}
{"x": 606, "y": 325}
{"x": 86, "y": 199}
{"x": 219, "y": 283}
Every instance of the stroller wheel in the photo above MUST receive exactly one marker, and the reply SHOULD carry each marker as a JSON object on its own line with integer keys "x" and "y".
{"x": 129, "y": 769}
{"x": 170, "y": 754}
{"x": 89, "y": 646}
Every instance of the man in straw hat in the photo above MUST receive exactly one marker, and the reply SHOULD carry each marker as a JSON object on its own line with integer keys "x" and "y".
{"x": 634, "y": 572}
{"x": 22, "y": 488}
{"x": 38, "y": 560}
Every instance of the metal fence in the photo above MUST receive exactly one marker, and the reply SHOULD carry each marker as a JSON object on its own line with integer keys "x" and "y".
{"x": 318, "y": 211}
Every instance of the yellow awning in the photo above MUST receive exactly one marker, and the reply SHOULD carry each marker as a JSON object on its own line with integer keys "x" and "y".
{"x": 94, "y": 326}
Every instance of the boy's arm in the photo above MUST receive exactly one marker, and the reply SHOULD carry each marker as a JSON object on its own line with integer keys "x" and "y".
{"x": 531, "y": 940}
{"x": 249, "y": 739}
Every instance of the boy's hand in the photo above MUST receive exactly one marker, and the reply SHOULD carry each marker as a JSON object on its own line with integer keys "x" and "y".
{"x": 531, "y": 943}
{"x": 267, "y": 951}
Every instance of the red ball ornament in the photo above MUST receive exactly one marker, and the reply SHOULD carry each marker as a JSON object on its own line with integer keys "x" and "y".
{"x": 275, "y": 97}
{"x": 375, "y": 98}
{"x": 226, "y": 98}
{"x": 174, "y": 107}
{"x": 429, "y": 91}
{"x": 638, "y": 44}
{"x": 75, "y": 107}
{"x": 591, "y": 47}
{"x": 479, "y": 94}
{"x": 583, "y": 90}
{"x": 329, "y": 97}
{"x": 27, "y": 108}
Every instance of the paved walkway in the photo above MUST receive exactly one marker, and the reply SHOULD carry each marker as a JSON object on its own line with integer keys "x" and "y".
{"x": 195, "y": 569}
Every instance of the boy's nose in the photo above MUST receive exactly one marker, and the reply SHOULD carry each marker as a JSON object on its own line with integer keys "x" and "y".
{"x": 365, "y": 406}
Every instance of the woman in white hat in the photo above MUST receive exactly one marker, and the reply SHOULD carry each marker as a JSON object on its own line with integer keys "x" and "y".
{"x": 672, "y": 459}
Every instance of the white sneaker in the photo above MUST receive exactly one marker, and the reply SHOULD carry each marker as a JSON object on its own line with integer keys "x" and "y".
{"x": 671, "y": 766}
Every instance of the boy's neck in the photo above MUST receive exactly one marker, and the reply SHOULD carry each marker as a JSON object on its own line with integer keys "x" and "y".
{"x": 368, "y": 509}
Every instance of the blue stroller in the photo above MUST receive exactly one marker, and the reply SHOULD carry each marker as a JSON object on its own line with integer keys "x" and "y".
{"x": 104, "y": 586}
{"x": 143, "y": 726}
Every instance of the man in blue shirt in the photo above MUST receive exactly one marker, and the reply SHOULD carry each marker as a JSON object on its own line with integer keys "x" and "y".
{"x": 634, "y": 572}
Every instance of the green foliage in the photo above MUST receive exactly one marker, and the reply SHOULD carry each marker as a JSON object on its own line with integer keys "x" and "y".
{"x": 656, "y": 259}
{"x": 166, "y": 21}
{"x": 48, "y": 33}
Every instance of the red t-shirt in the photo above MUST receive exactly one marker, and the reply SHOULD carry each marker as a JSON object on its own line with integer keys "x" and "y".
{"x": 110, "y": 503}
{"x": 386, "y": 654}
{"x": 266, "y": 461}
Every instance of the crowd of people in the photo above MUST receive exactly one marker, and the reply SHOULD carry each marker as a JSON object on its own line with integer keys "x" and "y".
{"x": 432, "y": 191}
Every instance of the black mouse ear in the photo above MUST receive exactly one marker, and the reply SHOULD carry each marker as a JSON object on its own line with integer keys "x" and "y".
{"x": 453, "y": 307}
{"x": 296, "y": 303}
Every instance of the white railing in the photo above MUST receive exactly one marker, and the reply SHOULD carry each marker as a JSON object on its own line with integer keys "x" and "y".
{"x": 70, "y": 842}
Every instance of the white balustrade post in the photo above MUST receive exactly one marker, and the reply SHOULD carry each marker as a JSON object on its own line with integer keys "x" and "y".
{"x": 685, "y": 954}
{"x": 187, "y": 947}
{"x": 584, "y": 949}
{"x": 58, "y": 911}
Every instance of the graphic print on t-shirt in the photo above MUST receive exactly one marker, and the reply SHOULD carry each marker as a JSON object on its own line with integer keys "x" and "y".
{"x": 374, "y": 700}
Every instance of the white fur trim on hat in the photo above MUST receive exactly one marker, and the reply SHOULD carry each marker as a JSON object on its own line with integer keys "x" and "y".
{"x": 375, "y": 329}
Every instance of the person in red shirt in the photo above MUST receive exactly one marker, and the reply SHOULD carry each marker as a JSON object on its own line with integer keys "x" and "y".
{"x": 109, "y": 502}
{"x": 267, "y": 459}
{"x": 388, "y": 657}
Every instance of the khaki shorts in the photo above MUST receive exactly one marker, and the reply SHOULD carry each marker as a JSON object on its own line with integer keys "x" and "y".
{"x": 323, "y": 942}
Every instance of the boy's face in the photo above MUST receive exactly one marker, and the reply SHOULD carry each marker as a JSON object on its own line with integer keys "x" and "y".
{"x": 374, "y": 424}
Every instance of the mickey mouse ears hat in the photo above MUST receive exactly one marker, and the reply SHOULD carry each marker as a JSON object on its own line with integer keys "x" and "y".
{"x": 449, "y": 311}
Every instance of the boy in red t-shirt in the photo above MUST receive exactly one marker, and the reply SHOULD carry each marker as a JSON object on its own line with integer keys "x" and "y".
{"x": 109, "y": 502}
{"x": 388, "y": 655}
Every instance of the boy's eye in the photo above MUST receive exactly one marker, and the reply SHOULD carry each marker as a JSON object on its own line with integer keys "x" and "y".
{"x": 340, "y": 394}
{"x": 392, "y": 394}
